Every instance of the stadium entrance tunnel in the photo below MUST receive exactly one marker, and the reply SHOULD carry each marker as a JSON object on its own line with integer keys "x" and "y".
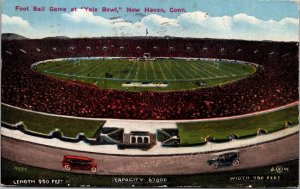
{"x": 155, "y": 74}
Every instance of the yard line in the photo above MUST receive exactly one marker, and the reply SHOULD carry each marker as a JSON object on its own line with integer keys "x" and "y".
{"x": 121, "y": 70}
{"x": 235, "y": 71}
{"x": 130, "y": 70}
{"x": 153, "y": 70}
{"x": 145, "y": 69}
{"x": 68, "y": 75}
{"x": 115, "y": 67}
{"x": 46, "y": 71}
{"x": 102, "y": 67}
{"x": 183, "y": 68}
{"x": 54, "y": 67}
{"x": 215, "y": 70}
{"x": 169, "y": 70}
{"x": 162, "y": 72}
{"x": 95, "y": 69}
{"x": 196, "y": 74}
{"x": 137, "y": 71}
{"x": 223, "y": 70}
{"x": 82, "y": 71}
{"x": 176, "y": 67}
{"x": 72, "y": 67}
{"x": 205, "y": 70}
{"x": 204, "y": 74}
{"x": 200, "y": 67}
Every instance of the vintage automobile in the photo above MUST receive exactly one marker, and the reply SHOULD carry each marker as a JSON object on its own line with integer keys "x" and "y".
{"x": 79, "y": 162}
{"x": 225, "y": 159}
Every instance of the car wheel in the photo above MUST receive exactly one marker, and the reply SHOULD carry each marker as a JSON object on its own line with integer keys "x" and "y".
{"x": 215, "y": 165}
{"x": 67, "y": 167}
{"x": 93, "y": 169}
{"x": 235, "y": 163}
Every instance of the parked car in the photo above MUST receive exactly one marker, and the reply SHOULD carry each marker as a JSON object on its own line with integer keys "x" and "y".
{"x": 79, "y": 162}
{"x": 225, "y": 159}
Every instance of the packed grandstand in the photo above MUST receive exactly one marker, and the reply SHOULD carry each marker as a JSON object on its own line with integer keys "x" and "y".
{"x": 275, "y": 83}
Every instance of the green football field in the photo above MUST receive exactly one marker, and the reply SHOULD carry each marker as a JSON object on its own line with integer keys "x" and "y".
{"x": 175, "y": 74}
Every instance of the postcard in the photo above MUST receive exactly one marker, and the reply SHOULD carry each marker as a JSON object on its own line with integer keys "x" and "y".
{"x": 150, "y": 93}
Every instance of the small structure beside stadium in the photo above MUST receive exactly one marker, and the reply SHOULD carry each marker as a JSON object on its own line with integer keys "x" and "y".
{"x": 138, "y": 139}
{"x": 126, "y": 137}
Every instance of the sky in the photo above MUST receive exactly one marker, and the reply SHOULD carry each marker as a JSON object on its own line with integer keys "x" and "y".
{"x": 257, "y": 20}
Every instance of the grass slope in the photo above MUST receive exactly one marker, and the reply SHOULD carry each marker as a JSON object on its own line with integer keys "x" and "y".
{"x": 45, "y": 124}
{"x": 196, "y": 132}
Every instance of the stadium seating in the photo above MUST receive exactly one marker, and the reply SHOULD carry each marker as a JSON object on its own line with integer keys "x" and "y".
{"x": 274, "y": 85}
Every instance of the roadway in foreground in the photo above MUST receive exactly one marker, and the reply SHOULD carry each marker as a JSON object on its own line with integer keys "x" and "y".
{"x": 272, "y": 152}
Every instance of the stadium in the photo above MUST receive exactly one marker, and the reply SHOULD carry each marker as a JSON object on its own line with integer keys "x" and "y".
{"x": 159, "y": 93}
{"x": 116, "y": 94}
{"x": 148, "y": 99}
{"x": 273, "y": 84}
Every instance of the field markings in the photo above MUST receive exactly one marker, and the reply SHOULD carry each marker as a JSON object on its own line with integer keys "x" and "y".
{"x": 92, "y": 71}
{"x": 137, "y": 72}
{"x": 228, "y": 72}
{"x": 89, "y": 67}
{"x": 234, "y": 70}
{"x": 129, "y": 73}
{"x": 182, "y": 67}
{"x": 55, "y": 67}
{"x": 215, "y": 70}
{"x": 120, "y": 71}
{"x": 177, "y": 69}
{"x": 75, "y": 66}
{"x": 107, "y": 65}
{"x": 62, "y": 69}
{"x": 95, "y": 70}
{"x": 111, "y": 68}
{"x": 197, "y": 75}
{"x": 166, "y": 70}
{"x": 204, "y": 74}
{"x": 151, "y": 63}
{"x": 169, "y": 70}
{"x": 210, "y": 72}
{"x": 162, "y": 72}
{"x": 199, "y": 68}
{"x": 114, "y": 68}
{"x": 145, "y": 69}
{"x": 82, "y": 70}
{"x": 205, "y": 70}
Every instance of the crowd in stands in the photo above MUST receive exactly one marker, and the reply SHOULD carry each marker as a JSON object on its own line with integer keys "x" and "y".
{"x": 274, "y": 84}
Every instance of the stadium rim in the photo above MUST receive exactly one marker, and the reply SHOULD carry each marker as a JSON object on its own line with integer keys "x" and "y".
{"x": 162, "y": 121}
